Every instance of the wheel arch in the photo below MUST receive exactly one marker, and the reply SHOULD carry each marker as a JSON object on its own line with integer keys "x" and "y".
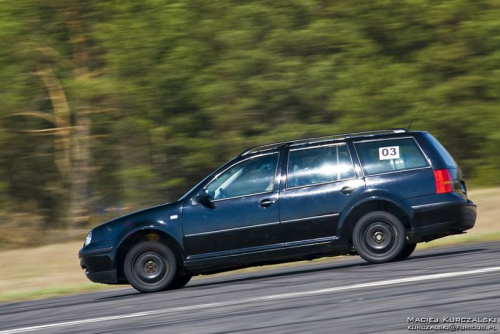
{"x": 349, "y": 220}
{"x": 146, "y": 234}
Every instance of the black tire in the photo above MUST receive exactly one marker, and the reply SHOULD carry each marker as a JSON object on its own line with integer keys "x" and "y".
{"x": 407, "y": 251}
{"x": 179, "y": 282}
{"x": 150, "y": 266}
{"x": 379, "y": 237}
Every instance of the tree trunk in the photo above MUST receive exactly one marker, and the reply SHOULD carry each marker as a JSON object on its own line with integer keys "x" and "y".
{"x": 80, "y": 141}
{"x": 80, "y": 175}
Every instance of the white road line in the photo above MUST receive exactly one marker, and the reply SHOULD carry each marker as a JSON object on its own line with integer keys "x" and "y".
{"x": 254, "y": 299}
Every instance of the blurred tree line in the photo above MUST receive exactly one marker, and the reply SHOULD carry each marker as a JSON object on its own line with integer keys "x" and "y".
{"x": 107, "y": 106}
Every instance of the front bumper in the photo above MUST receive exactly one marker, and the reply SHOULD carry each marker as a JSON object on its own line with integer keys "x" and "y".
{"x": 98, "y": 262}
{"x": 437, "y": 220}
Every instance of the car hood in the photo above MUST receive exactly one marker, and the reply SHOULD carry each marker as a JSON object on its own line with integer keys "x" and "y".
{"x": 163, "y": 214}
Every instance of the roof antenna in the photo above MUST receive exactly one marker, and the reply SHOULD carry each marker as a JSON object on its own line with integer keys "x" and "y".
{"x": 418, "y": 112}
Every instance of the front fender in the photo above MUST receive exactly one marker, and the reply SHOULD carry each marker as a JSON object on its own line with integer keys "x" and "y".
{"x": 172, "y": 231}
{"x": 166, "y": 234}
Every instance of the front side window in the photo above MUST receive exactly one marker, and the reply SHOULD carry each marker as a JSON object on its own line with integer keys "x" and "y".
{"x": 384, "y": 156}
{"x": 249, "y": 177}
{"x": 319, "y": 165}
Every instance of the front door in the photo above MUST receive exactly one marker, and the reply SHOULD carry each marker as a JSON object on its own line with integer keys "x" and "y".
{"x": 320, "y": 182}
{"x": 243, "y": 215}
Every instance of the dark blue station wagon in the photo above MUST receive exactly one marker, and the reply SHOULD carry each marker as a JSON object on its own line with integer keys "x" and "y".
{"x": 376, "y": 194}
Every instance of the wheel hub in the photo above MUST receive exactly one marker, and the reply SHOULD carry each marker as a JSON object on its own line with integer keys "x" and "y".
{"x": 150, "y": 267}
{"x": 379, "y": 237}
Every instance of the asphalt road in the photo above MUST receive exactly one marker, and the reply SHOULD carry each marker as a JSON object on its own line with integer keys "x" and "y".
{"x": 343, "y": 296}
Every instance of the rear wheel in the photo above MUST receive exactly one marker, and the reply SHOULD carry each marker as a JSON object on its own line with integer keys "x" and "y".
{"x": 407, "y": 251}
{"x": 150, "y": 266}
{"x": 379, "y": 237}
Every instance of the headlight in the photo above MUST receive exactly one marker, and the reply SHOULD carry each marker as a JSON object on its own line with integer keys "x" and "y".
{"x": 88, "y": 239}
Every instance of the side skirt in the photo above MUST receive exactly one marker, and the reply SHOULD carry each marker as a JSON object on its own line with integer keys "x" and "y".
{"x": 295, "y": 251}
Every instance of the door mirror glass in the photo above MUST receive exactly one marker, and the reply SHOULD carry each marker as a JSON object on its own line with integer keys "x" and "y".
{"x": 204, "y": 197}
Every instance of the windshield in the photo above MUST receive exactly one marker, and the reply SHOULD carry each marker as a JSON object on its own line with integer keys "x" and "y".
{"x": 205, "y": 178}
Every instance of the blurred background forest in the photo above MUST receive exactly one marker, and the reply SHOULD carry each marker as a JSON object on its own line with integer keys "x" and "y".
{"x": 109, "y": 106}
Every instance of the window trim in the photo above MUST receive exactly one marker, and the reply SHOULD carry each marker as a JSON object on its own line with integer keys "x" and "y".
{"x": 337, "y": 145}
{"x": 242, "y": 161}
{"x": 426, "y": 158}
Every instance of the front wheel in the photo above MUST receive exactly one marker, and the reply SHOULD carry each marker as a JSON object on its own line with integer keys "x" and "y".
{"x": 150, "y": 266}
{"x": 179, "y": 282}
{"x": 379, "y": 237}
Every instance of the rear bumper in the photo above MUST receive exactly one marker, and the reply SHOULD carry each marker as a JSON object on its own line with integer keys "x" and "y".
{"x": 98, "y": 264}
{"x": 432, "y": 221}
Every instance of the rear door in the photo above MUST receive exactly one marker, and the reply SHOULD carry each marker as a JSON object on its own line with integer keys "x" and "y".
{"x": 320, "y": 181}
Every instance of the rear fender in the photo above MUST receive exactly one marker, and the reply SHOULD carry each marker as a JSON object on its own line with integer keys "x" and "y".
{"x": 370, "y": 201}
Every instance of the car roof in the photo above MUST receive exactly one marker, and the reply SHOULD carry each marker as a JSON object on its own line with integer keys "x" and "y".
{"x": 323, "y": 139}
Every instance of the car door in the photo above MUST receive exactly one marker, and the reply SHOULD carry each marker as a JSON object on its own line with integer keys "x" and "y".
{"x": 242, "y": 215}
{"x": 320, "y": 182}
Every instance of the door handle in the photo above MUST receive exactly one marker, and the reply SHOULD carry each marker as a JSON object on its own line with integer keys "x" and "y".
{"x": 347, "y": 190}
{"x": 267, "y": 202}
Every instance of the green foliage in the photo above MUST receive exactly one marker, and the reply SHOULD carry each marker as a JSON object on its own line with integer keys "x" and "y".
{"x": 178, "y": 87}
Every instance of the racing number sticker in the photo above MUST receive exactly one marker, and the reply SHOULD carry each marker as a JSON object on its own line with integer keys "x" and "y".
{"x": 387, "y": 153}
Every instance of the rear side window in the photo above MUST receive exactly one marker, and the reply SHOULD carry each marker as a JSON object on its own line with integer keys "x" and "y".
{"x": 384, "y": 156}
{"x": 319, "y": 165}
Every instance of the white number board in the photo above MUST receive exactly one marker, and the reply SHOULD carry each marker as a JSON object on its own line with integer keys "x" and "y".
{"x": 387, "y": 153}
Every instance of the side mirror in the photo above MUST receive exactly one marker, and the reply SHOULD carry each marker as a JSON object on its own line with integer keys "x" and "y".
{"x": 205, "y": 198}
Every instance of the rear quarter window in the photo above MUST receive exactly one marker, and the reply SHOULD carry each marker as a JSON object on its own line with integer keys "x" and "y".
{"x": 448, "y": 159}
{"x": 385, "y": 156}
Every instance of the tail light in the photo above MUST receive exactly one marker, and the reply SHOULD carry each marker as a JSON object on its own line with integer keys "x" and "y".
{"x": 443, "y": 180}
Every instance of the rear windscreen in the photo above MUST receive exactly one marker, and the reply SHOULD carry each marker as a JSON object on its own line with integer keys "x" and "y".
{"x": 384, "y": 156}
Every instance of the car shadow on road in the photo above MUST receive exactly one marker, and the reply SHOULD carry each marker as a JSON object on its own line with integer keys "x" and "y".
{"x": 285, "y": 272}
{"x": 254, "y": 276}
{"x": 274, "y": 273}
{"x": 291, "y": 271}
{"x": 448, "y": 253}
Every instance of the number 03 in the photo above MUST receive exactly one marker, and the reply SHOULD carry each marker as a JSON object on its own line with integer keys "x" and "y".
{"x": 391, "y": 152}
